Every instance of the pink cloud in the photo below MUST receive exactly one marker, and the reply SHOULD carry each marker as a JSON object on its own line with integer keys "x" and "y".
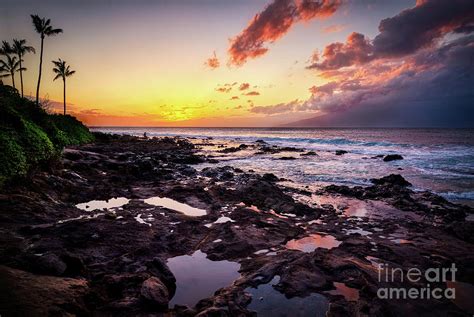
{"x": 273, "y": 23}
{"x": 212, "y": 62}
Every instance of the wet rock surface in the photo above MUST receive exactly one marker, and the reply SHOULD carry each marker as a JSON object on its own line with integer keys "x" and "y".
{"x": 392, "y": 157}
{"x": 58, "y": 259}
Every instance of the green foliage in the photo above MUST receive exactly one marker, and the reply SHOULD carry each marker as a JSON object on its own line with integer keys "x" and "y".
{"x": 36, "y": 144}
{"x": 75, "y": 132}
{"x": 30, "y": 137}
{"x": 13, "y": 160}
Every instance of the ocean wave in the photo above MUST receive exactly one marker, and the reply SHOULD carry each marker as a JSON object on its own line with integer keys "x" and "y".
{"x": 243, "y": 137}
{"x": 458, "y": 195}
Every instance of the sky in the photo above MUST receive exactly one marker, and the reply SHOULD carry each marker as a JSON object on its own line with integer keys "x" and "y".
{"x": 254, "y": 63}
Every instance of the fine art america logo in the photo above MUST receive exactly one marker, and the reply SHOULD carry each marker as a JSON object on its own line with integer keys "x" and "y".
{"x": 432, "y": 283}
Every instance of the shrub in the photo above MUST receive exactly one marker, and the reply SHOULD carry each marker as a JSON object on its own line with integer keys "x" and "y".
{"x": 74, "y": 131}
{"x": 13, "y": 159}
{"x": 36, "y": 144}
{"x": 29, "y": 136}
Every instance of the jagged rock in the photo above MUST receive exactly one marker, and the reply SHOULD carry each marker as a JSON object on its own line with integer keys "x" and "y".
{"x": 26, "y": 294}
{"x": 394, "y": 179}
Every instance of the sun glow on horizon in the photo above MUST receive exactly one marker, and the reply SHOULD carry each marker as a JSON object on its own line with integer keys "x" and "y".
{"x": 189, "y": 64}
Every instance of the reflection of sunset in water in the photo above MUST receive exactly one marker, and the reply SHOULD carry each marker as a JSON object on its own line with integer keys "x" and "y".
{"x": 349, "y": 293}
{"x": 312, "y": 242}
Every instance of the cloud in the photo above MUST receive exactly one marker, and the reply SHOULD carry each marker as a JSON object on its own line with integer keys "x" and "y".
{"x": 252, "y": 93}
{"x": 334, "y": 28}
{"x": 273, "y": 23}
{"x": 212, "y": 62}
{"x": 244, "y": 86}
{"x": 223, "y": 89}
{"x": 277, "y": 109}
{"x": 420, "y": 26}
{"x": 356, "y": 50}
{"x": 430, "y": 88}
{"x": 404, "y": 34}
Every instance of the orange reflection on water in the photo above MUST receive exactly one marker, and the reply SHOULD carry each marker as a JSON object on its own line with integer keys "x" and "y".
{"x": 312, "y": 242}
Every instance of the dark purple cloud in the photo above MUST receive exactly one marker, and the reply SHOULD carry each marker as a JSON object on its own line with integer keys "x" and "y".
{"x": 406, "y": 33}
{"x": 434, "y": 90}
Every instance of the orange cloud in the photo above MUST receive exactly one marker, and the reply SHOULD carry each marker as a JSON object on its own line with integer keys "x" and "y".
{"x": 224, "y": 89}
{"x": 244, "y": 86}
{"x": 252, "y": 93}
{"x": 274, "y": 22}
{"x": 334, "y": 28}
{"x": 212, "y": 62}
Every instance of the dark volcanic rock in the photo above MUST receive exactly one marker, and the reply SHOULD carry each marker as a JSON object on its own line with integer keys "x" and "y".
{"x": 155, "y": 292}
{"x": 118, "y": 257}
{"x": 265, "y": 149}
{"x": 340, "y": 152}
{"x": 234, "y": 149}
{"x": 269, "y": 196}
{"x": 309, "y": 153}
{"x": 392, "y": 157}
{"x": 26, "y": 294}
{"x": 394, "y": 179}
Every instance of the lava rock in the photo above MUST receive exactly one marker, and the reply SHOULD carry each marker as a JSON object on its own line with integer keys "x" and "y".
{"x": 392, "y": 157}
{"x": 309, "y": 153}
{"x": 340, "y": 152}
{"x": 393, "y": 179}
{"x": 155, "y": 292}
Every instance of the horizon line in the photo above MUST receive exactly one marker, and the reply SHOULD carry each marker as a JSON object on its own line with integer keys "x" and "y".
{"x": 275, "y": 127}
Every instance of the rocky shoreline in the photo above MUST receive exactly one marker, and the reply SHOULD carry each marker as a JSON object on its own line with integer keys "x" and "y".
{"x": 111, "y": 228}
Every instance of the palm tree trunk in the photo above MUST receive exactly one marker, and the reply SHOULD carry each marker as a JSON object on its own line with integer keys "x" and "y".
{"x": 13, "y": 79}
{"x": 21, "y": 76}
{"x": 64, "y": 93}
{"x": 39, "y": 75}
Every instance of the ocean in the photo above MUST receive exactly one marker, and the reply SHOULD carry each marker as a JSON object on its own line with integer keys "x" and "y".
{"x": 439, "y": 160}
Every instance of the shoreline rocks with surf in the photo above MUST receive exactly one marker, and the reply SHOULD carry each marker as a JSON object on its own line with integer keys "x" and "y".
{"x": 124, "y": 225}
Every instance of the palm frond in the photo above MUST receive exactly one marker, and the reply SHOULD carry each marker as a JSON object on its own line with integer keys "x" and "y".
{"x": 37, "y": 23}
{"x": 6, "y": 48}
{"x": 20, "y": 47}
{"x": 52, "y": 32}
{"x": 43, "y": 26}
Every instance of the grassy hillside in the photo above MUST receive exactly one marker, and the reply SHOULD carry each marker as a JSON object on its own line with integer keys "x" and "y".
{"x": 30, "y": 137}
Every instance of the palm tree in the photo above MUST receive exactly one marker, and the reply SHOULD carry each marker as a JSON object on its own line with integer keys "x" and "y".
{"x": 5, "y": 49}
{"x": 20, "y": 48}
{"x": 44, "y": 28}
{"x": 62, "y": 70}
{"x": 11, "y": 66}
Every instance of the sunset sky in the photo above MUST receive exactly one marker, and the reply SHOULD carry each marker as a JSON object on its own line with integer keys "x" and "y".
{"x": 255, "y": 63}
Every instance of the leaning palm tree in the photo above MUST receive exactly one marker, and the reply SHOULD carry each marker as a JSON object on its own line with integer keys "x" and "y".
{"x": 20, "y": 49}
{"x": 62, "y": 70}
{"x": 9, "y": 67}
{"x": 44, "y": 28}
